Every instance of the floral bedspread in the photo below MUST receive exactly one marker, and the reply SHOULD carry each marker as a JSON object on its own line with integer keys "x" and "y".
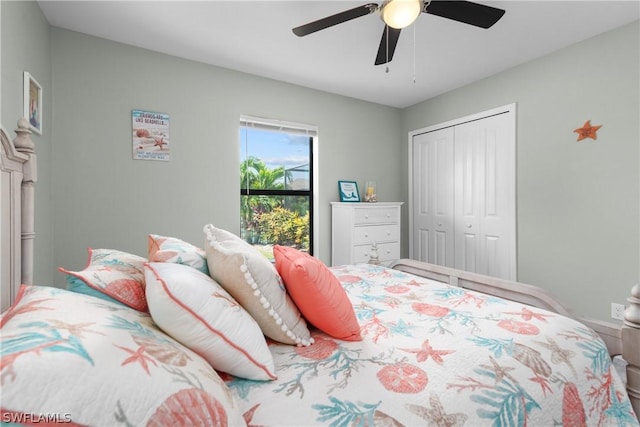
{"x": 433, "y": 354}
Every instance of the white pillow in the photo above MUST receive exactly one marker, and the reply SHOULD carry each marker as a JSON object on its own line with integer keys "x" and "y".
{"x": 254, "y": 282}
{"x": 192, "y": 308}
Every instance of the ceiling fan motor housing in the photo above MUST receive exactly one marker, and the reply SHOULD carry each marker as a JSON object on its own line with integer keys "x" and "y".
{"x": 400, "y": 14}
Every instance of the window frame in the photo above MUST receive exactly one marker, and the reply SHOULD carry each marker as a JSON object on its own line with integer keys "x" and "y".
{"x": 312, "y": 192}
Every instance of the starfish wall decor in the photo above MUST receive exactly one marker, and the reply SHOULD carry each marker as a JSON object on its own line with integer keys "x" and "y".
{"x": 587, "y": 131}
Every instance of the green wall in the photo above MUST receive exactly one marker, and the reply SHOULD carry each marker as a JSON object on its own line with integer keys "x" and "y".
{"x": 577, "y": 202}
{"x": 103, "y": 198}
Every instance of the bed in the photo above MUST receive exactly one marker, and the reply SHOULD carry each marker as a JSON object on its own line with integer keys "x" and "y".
{"x": 209, "y": 333}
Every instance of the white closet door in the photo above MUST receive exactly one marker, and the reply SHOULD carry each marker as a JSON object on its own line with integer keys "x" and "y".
{"x": 462, "y": 207}
{"x": 485, "y": 197}
{"x": 433, "y": 212}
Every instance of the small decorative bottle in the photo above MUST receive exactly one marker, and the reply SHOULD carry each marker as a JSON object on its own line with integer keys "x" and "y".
{"x": 370, "y": 192}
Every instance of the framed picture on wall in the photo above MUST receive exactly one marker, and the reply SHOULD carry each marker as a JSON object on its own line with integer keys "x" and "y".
{"x": 348, "y": 191}
{"x": 32, "y": 103}
{"x": 150, "y": 135}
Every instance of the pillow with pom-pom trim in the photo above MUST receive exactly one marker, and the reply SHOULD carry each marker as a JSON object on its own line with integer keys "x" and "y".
{"x": 254, "y": 282}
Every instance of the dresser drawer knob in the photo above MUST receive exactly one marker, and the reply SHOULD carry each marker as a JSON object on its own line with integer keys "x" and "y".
{"x": 366, "y": 234}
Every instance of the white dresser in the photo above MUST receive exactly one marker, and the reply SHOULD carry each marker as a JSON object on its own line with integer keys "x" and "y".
{"x": 356, "y": 226}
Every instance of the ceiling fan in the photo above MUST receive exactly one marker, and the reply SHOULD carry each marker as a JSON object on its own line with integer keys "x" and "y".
{"x": 399, "y": 14}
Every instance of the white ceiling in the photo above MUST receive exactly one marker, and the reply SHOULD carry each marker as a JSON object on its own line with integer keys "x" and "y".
{"x": 255, "y": 37}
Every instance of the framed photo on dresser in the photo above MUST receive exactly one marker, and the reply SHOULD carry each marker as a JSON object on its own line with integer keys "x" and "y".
{"x": 348, "y": 191}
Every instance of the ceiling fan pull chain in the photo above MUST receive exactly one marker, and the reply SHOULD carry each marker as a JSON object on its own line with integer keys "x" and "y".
{"x": 386, "y": 27}
{"x": 414, "y": 54}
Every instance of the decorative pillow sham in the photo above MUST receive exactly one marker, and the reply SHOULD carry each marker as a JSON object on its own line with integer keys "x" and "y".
{"x": 195, "y": 310}
{"x": 171, "y": 249}
{"x": 118, "y": 274}
{"x": 91, "y": 362}
{"x": 75, "y": 284}
{"x": 254, "y": 282}
{"x": 317, "y": 293}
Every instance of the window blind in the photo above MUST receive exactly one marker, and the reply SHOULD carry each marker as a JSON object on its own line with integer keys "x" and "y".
{"x": 278, "y": 125}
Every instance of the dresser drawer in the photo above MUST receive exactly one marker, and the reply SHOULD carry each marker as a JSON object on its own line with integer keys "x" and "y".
{"x": 387, "y": 215}
{"x": 376, "y": 233}
{"x": 386, "y": 252}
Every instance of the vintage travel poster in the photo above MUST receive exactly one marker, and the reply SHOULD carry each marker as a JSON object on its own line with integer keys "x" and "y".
{"x": 150, "y": 135}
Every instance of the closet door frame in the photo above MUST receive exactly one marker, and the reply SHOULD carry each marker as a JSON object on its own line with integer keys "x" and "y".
{"x": 510, "y": 110}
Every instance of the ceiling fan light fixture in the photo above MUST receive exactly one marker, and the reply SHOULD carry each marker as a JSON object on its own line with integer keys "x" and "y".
{"x": 400, "y": 14}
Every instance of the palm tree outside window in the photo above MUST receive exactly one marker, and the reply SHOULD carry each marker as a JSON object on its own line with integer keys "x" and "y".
{"x": 276, "y": 184}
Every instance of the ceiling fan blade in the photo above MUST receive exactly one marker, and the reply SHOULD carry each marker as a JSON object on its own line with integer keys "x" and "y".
{"x": 336, "y": 19}
{"x": 394, "y": 34}
{"x": 468, "y": 12}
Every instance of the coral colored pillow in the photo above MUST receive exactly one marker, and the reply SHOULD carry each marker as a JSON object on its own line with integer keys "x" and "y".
{"x": 117, "y": 274}
{"x": 317, "y": 293}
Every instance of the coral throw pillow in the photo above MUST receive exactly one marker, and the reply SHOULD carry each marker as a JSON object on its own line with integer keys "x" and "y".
{"x": 317, "y": 293}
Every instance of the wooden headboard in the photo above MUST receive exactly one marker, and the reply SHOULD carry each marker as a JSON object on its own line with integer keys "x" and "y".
{"x": 17, "y": 234}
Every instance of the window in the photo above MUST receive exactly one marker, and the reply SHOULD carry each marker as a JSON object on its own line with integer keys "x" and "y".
{"x": 276, "y": 184}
